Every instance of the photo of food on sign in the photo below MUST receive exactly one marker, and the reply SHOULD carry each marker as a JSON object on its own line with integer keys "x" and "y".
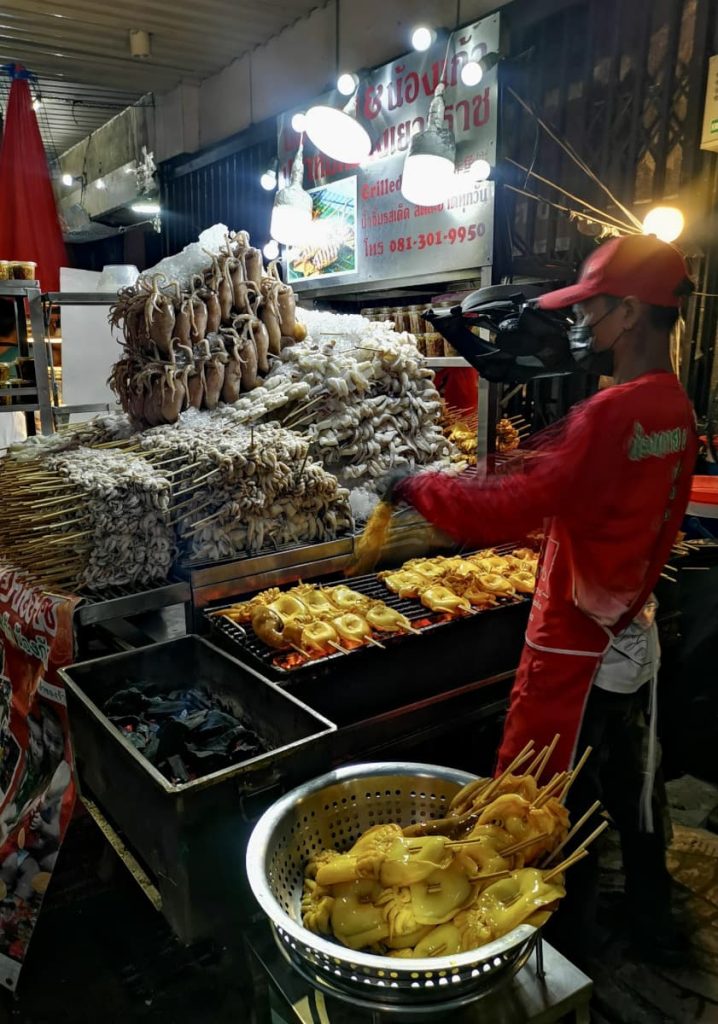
{"x": 331, "y": 248}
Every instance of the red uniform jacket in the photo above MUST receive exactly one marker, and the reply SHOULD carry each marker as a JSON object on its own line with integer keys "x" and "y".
{"x": 609, "y": 486}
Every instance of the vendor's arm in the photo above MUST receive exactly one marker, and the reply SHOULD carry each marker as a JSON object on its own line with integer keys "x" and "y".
{"x": 488, "y": 510}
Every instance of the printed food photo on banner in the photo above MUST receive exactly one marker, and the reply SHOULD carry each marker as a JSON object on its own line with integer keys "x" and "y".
{"x": 331, "y": 247}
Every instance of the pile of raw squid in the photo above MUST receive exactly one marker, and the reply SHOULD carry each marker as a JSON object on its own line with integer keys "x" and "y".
{"x": 193, "y": 344}
{"x": 361, "y": 396}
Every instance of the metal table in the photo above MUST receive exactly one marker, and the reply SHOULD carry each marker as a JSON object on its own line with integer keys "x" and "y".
{"x": 283, "y": 997}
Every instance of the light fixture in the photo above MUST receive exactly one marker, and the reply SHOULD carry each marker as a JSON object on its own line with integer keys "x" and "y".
{"x": 67, "y": 180}
{"x": 100, "y": 184}
{"x": 347, "y": 83}
{"x": 422, "y": 37}
{"x": 271, "y": 250}
{"x": 150, "y": 208}
{"x": 37, "y": 103}
{"x": 480, "y": 170}
{"x": 429, "y": 165}
{"x": 665, "y": 222}
{"x": 140, "y": 44}
{"x": 299, "y": 123}
{"x": 474, "y": 70}
{"x": 268, "y": 180}
{"x": 338, "y": 133}
{"x": 292, "y": 211}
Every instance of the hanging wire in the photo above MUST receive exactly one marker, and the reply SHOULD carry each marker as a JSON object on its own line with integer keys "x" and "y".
{"x": 570, "y": 151}
{"x": 569, "y": 195}
{"x": 571, "y": 212}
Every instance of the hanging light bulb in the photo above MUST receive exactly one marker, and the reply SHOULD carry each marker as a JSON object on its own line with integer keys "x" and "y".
{"x": 665, "y": 222}
{"x": 67, "y": 180}
{"x": 268, "y": 180}
{"x": 292, "y": 211}
{"x": 338, "y": 133}
{"x": 37, "y": 103}
{"x": 100, "y": 183}
{"x": 474, "y": 70}
{"x": 422, "y": 37}
{"x": 299, "y": 123}
{"x": 480, "y": 170}
{"x": 271, "y": 250}
{"x": 472, "y": 73}
{"x": 429, "y": 165}
{"x": 347, "y": 84}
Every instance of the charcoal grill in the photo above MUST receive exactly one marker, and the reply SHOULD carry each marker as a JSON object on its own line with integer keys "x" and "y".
{"x": 370, "y": 680}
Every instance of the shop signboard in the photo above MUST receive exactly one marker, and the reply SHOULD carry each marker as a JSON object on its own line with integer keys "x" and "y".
{"x": 37, "y": 791}
{"x": 364, "y": 230}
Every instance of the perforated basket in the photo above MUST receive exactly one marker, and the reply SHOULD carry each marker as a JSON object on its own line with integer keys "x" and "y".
{"x": 333, "y": 811}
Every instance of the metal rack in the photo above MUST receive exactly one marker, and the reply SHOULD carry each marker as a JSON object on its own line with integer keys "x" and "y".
{"x": 50, "y": 411}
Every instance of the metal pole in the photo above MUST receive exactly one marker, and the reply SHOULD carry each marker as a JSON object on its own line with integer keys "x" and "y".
{"x": 39, "y": 351}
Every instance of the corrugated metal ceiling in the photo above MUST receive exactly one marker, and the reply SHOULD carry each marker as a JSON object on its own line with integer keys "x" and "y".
{"x": 80, "y": 41}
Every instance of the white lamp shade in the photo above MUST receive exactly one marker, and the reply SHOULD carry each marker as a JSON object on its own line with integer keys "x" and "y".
{"x": 427, "y": 179}
{"x": 338, "y": 134}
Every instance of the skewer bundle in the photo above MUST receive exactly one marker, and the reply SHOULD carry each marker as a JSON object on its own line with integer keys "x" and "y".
{"x": 448, "y": 886}
{"x": 238, "y": 489}
{"x": 87, "y": 518}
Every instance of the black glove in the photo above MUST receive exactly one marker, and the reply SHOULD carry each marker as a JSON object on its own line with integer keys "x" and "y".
{"x": 389, "y": 486}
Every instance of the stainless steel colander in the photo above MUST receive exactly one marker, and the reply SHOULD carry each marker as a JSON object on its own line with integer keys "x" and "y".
{"x": 333, "y": 811}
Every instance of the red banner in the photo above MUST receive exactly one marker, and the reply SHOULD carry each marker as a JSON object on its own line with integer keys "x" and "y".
{"x": 37, "y": 792}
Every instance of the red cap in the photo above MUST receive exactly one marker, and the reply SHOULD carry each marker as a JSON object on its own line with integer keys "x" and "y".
{"x": 638, "y": 265}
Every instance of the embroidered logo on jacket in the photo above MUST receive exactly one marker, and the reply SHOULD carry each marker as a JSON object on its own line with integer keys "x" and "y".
{"x": 658, "y": 444}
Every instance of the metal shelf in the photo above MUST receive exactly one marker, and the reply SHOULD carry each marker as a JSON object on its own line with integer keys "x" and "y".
{"x": 41, "y": 352}
{"x": 446, "y": 362}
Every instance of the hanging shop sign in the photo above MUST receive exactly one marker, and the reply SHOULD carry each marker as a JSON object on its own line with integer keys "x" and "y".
{"x": 37, "y": 792}
{"x": 363, "y": 228}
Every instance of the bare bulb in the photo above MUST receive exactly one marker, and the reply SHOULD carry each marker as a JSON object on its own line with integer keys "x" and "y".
{"x": 422, "y": 38}
{"x": 67, "y": 180}
{"x": 271, "y": 250}
{"x": 299, "y": 123}
{"x": 472, "y": 73}
{"x": 268, "y": 180}
{"x": 665, "y": 222}
{"x": 347, "y": 84}
{"x": 480, "y": 170}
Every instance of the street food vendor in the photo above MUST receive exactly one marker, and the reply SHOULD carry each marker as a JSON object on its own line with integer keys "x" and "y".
{"x": 12, "y": 424}
{"x": 608, "y": 485}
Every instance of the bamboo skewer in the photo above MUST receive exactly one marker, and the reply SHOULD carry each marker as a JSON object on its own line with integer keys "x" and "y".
{"x": 520, "y": 759}
{"x": 540, "y": 768}
{"x": 574, "y": 774}
{"x": 568, "y": 863}
{"x": 551, "y": 789}
{"x": 579, "y": 824}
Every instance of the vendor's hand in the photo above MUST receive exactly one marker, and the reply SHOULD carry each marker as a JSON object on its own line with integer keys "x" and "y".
{"x": 390, "y": 486}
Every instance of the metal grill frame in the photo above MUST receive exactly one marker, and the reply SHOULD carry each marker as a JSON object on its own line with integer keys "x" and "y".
{"x": 248, "y": 647}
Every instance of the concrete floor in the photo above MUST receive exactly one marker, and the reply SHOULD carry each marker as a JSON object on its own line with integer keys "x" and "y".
{"x": 101, "y": 953}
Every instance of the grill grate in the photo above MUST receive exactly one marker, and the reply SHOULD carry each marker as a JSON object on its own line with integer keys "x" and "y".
{"x": 284, "y": 665}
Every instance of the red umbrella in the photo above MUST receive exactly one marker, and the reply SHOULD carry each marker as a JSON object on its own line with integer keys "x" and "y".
{"x": 29, "y": 225}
